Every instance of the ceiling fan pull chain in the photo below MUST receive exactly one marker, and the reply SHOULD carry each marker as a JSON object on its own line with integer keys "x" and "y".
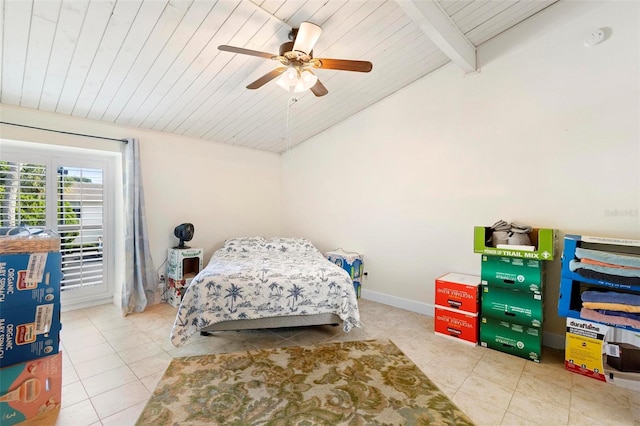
{"x": 292, "y": 100}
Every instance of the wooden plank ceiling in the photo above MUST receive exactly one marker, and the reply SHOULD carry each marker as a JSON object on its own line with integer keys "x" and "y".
{"x": 155, "y": 64}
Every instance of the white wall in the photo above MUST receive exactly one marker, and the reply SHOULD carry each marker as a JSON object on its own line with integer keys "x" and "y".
{"x": 224, "y": 191}
{"x": 547, "y": 134}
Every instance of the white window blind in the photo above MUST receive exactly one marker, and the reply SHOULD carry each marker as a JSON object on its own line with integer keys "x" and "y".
{"x": 23, "y": 195}
{"x": 80, "y": 213}
{"x": 68, "y": 191}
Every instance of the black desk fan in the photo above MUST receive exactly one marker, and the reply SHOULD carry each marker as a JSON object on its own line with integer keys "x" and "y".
{"x": 184, "y": 232}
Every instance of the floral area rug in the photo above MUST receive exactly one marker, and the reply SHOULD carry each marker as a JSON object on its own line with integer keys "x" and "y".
{"x": 347, "y": 383}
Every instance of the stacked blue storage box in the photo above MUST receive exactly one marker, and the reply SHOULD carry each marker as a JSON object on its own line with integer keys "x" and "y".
{"x": 352, "y": 263}
{"x": 30, "y": 362}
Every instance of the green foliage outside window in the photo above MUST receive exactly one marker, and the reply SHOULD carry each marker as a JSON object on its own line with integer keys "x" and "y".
{"x": 23, "y": 202}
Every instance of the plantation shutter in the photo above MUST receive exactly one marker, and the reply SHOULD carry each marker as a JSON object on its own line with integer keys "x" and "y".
{"x": 23, "y": 195}
{"x": 80, "y": 214}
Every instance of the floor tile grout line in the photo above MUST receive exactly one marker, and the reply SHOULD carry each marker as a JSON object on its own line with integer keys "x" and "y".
{"x": 127, "y": 365}
{"x": 571, "y": 379}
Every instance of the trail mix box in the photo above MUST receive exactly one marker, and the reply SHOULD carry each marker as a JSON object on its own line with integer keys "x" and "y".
{"x": 31, "y": 391}
{"x": 520, "y": 307}
{"x": 544, "y": 241}
{"x": 515, "y": 339}
{"x": 458, "y": 291}
{"x": 512, "y": 273}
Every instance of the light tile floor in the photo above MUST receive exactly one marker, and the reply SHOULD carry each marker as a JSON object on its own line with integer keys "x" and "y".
{"x": 112, "y": 364}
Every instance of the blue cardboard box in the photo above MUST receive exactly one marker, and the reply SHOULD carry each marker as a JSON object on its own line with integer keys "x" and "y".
{"x": 29, "y": 279}
{"x": 29, "y": 332}
{"x": 358, "y": 287}
{"x": 611, "y": 246}
{"x": 350, "y": 262}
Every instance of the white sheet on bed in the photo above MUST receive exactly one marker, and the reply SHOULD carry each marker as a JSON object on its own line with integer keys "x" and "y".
{"x": 258, "y": 278}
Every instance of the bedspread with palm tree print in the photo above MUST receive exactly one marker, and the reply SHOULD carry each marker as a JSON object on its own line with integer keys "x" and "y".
{"x": 254, "y": 277}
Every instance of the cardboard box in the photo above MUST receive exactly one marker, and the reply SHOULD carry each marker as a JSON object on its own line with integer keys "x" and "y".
{"x": 358, "y": 287}
{"x": 515, "y": 339}
{"x": 350, "y": 262}
{"x": 29, "y": 279}
{"x": 595, "y": 350}
{"x": 626, "y": 359}
{"x": 513, "y": 273}
{"x": 29, "y": 332}
{"x": 174, "y": 296}
{"x": 184, "y": 263}
{"x": 610, "y": 245}
{"x": 544, "y": 240}
{"x": 584, "y": 347}
{"x": 570, "y": 303}
{"x": 456, "y": 323}
{"x": 458, "y": 291}
{"x": 175, "y": 291}
{"x": 519, "y": 307}
{"x": 173, "y": 283}
{"x": 31, "y": 390}
{"x": 569, "y": 300}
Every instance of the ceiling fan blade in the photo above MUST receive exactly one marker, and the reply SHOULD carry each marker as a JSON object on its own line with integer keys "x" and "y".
{"x": 246, "y": 51}
{"x": 342, "y": 64}
{"x": 307, "y": 36}
{"x": 318, "y": 89}
{"x": 267, "y": 78}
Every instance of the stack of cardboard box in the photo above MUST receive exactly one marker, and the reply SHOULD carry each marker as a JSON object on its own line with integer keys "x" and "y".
{"x": 513, "y": 293}
{"x": 457, "y": 306}
{"x": 182, "y": 266}
{"x": 606, "y": 349}
{"x": 30, "y": 362}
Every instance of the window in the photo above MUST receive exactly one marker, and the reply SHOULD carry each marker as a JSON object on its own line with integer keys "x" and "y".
{"x": 80, "y": 212}
{"x": 22, "y": 195}
{"x": 69, "y": 194}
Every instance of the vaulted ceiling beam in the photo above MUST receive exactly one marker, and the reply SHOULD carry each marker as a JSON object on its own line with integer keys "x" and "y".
{"x": 439, "y": 27}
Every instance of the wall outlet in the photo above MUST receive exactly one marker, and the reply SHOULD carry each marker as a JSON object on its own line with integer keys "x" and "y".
{"x": 161, "y": 278}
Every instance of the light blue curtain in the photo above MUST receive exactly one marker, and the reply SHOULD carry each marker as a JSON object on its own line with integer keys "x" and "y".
{"x": 140, "y": 287}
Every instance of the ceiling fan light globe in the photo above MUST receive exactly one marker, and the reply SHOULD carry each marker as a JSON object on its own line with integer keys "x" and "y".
{"x": 288, "y": 79}
{"x": 291, "y": 75}
{"x": 297, "y": 81}
{"x": 309, "y": 78}
{"x": 283, "y": 83}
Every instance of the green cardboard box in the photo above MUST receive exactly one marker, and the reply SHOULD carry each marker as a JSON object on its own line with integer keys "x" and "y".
{"x": 513, "y": 273}
{"x": 519, "y": 307}
{"x": 544, "y": 240}
{"x": 514, "y": 339}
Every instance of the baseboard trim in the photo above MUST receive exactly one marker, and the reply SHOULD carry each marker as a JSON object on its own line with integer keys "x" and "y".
{"x": 552, "y": 340}
{"x": 555, "y": 341}
{"x": 81, "y": 304}
{"x": 398, "y": 302}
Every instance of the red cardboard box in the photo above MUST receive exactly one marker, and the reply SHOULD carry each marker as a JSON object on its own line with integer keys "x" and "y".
{"x": 31, "y": 390}
{"x": 458, "y": 291}
{"x": 456, "y": 323}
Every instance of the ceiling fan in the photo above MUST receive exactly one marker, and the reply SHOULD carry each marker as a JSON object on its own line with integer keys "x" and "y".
{"x": 296, "y": 57}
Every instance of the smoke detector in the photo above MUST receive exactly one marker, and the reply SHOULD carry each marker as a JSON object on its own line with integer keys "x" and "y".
{"x": 595, "y": 37}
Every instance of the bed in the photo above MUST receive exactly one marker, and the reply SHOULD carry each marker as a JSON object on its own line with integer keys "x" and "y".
{"x": 254, "y": 282}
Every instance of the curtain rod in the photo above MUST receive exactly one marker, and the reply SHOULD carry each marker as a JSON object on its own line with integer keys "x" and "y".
{"x": 66, "y": 133}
